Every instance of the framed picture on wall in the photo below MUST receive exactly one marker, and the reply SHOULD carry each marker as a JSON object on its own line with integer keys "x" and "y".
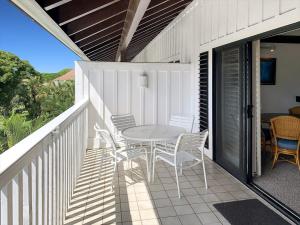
{"x": 268, "y": 71}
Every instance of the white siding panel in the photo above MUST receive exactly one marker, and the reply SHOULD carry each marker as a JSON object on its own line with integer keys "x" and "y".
{"x": 222, "y": 15}
{"x": 288, "y": 5}
{"x": 270, "y": 9}
{"x": 122, "y": 92}
{"x": 149, "y": 103}
{"x": 136, "y": 93}
{"x": 207, "y": 22}
{"x": 186, "y": 83}
{"x": 162, "y": 97}
{"x": 242, "y": 14}
{"x": 175, "y": 94}
{"x": 255, "y": 12}
{"x": 232, "y": 15}
{"x": 215, "y": 20}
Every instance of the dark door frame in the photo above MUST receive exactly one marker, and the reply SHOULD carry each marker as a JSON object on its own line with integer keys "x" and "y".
{"x": 246, "y": 60}
{"x": 249, "y": 181}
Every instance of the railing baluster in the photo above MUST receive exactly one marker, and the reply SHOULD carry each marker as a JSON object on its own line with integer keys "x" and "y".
{"x": 4, "y": 205}
{"x": 15, "y": 200}
{"x": 25, "y": 180}
{"x": 20, "y": 200}
{"x": 50, "y": 192}
{"x": 37, "y": 188}
{"x": 45, "y": 188}
{"x": 10, "y": 203}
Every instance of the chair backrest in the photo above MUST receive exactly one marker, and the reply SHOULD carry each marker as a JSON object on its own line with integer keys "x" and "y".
{"x": 191, "y": 142}
{"x": 295, "y": 110}
{"x": 286, "y": 127}
{"x": 122, "y": 122}
{"x": 186, "y": 122}
{"x": 107, "y": 137}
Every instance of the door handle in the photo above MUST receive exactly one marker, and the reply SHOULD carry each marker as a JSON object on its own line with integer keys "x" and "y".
{"x": 250, "y": 111}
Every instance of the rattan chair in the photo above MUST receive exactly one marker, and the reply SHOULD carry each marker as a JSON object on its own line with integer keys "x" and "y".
{"x": 286, "y": 132}
{"x": 295, "y": 111}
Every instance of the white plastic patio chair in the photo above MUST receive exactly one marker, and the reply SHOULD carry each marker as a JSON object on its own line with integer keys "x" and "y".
{"x": 186, "y": 122}
{"x": 120, "y": 123}
{"x": 188, "y": 152}
{"x": 121, "y": 154}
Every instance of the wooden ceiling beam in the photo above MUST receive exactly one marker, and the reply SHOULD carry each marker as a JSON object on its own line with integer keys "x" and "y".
{"x": 103, "y": 54}
{"x": 115, "y": 30}
{"x": 135, "y": 13}
{"x": 95, "y": 18}
{"x": 107, "y": 44}
{"x": 99, "y": 29}
{"x": 163, "y": 14}
{"x": 99, "y": 43}
{"x": 77, "y": 9}
{"x": 157, "y": 26}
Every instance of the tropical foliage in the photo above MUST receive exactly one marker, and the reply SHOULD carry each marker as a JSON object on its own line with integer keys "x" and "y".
{"x": 28, "y": 99}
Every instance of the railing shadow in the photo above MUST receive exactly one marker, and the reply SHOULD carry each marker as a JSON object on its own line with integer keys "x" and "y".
{"x": 93, "y": 201}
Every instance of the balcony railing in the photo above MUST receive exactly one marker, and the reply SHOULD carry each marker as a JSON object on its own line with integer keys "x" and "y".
{"x": 38, "y": 174}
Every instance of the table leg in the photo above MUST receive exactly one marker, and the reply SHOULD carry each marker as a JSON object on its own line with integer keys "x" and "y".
{"x": 150, "y": 163}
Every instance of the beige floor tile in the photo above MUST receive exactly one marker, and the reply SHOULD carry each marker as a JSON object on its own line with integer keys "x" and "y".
{"x": 190, "y": 220}
{"x": 170, "y": 221}
{"x": 148, "y": 214}
{"x": 179, "y": 201}
{"x": 200, "y": 208}
{"x": 166, "y": 212}
{"x": 162, "y": 202}
{"x": 145, "y": 205}
{"x": 159, "y": 194}
{"x": 131, "y": 216}
{"x": 151, "y": 222}
{"x": 208, "y": 218}
{"x": 183, "y": 210}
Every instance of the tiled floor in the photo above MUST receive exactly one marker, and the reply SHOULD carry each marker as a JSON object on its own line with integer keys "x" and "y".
{"x": 134, "y": 201}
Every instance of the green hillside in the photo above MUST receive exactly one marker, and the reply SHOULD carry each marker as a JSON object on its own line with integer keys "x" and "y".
{"x": 52, "y": 76}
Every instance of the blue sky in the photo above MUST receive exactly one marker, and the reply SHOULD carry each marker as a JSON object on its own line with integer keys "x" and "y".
{"x": 28, "y": 40}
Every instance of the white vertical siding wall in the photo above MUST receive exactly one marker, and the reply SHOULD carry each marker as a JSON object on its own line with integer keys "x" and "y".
{"x": 207, "y": 24}
{"x": 114, "y": 88}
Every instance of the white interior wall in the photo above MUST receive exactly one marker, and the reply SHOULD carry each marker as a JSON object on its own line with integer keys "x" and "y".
{"x": 206, "y": 24}
{"x": 280, "y": 97}
{"x": 114, "y": 88}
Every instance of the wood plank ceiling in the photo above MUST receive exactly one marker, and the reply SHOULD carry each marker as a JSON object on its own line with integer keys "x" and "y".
{"x": 96, "y": 26}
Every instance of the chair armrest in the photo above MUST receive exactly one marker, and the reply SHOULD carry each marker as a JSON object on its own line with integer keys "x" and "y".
{"x": 163, "y": 151}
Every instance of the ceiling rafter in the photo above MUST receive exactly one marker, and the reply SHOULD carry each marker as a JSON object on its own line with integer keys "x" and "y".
{"x": 110, "y": 29}
{"x": 101, "y": 36}
{"x": 83, "y": 37}
{"x": 118, "y": 36}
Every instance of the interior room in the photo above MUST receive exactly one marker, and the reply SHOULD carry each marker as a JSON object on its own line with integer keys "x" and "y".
{"x": 279, "y": 98}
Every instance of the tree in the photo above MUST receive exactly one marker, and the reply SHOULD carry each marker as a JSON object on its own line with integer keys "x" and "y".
{"x": 13, "y": 71}
{"x": 57, "y": 98}
{"x": 16, "y": 127}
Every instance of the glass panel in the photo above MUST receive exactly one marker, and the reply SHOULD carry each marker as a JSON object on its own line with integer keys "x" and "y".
{"x": 231, "y": 106}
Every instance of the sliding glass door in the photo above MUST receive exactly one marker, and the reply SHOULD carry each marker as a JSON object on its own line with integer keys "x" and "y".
{"x": 232, "y": 109}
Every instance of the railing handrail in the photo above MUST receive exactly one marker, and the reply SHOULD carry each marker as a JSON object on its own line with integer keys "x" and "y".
{"x": 15, "y": 154}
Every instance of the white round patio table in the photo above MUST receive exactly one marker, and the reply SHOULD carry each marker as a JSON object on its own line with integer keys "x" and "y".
{"x": 152, "y": 134}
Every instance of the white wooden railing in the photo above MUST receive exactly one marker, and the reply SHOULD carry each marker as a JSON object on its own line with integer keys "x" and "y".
{"x": 37, "y": 175}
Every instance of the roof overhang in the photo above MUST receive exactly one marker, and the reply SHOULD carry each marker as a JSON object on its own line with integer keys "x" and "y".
{"x": 104, "y": 30}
